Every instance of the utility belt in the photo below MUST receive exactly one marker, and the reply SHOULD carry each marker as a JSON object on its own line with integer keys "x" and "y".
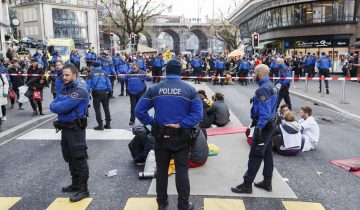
{"x": 78, "y": 124}
{"x": 269, "y": 125}
{"x": 160, "y": 131}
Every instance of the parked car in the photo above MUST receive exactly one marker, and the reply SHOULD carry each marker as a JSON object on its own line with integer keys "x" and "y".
{"x": 29, "y": 42}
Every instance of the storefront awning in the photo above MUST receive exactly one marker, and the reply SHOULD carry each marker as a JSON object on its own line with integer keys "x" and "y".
{"x": 262, "y": 45}
{"x": 356, "y": 44}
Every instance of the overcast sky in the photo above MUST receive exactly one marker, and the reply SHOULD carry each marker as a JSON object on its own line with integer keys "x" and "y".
{"x": 189, "y": 8}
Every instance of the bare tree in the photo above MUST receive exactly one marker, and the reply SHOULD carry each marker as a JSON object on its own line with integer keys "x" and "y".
{"x": 129, "y": 16}
{"x": 227, "y": 33}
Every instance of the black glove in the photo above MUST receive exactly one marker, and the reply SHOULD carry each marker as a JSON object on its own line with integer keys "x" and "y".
{"x": 257, "y": 137}
{"x": 253, "y": 123}
{"x": 108, "y": 94}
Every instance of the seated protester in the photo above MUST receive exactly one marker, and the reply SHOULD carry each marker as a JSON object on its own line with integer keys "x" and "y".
{"x": 311, "y": 131}
{"x": 205, "y": 122}
{"x": 280, "y": 116}
{"x": 199, "y": 152}
{"x": 287, "y": 136}
{"x": 141, "y": 144}
{"x": 218, "y": 112}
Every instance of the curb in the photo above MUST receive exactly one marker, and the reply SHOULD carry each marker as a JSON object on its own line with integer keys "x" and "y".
{"x": 326, "y": 104}
{"x": 9, "y": 134}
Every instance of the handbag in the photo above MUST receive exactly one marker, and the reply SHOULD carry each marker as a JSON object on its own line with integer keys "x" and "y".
{"x": 12, "y": 94}
{"x": 36, "y": 95}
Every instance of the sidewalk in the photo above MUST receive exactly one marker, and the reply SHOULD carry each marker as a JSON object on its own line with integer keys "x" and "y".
{"x": 334, "y": 99}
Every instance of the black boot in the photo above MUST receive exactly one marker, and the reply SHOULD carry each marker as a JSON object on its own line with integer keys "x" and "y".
{"x": 69, "y": 189}
{"x": 99, "y": 128}
{"x": 80, "y": 194}
{"x": 327, "y": 91}
{"x": 189, "y": 206}
{"x": 265, "y": 184}
{"x": 243, "y": 188}
{"x": 107, "y": 126}
{"x": 164, "y": 206}
{"x": 35, "y": 113}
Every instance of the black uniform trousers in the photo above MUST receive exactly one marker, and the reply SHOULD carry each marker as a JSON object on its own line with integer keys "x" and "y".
{"x": 101, "y": 96}
{"x": 219, "y": 72}
{"x": 176, "y": 147}
{"x": 134, "y": 99}
{"x": 18, "y": 96}
{"x": 258, "y": 154}
{"x": 156, "y": 72}
{"x": 243, "y": 73}
{"x": 197, "y": 73}
{"x": 112, "y": 79}
{"x": 325, "y": 73}
{"x": 274, "y": 73}
{"x": 123, "y": 84}
{"x": 74, "y": 151}
{"x": 284, "y": 94}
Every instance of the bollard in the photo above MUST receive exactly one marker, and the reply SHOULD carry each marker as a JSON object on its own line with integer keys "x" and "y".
{"x": 306, "y": 82}
{"x": 343, "y": 100}
{"x": 322, "y": 85}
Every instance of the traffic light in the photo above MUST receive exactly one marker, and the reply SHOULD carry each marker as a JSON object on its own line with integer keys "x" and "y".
{"x": 111, "y": 34}
{"x": 255, "y": 39}
{"x": 133, "y": 38}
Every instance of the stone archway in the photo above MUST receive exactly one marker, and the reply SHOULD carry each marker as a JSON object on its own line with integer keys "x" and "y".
{"x": 203, "y": 39}
{"x": 176, "y": 39}
{"x": 148, "y": 38}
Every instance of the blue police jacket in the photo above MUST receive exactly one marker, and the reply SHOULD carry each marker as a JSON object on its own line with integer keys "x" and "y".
{"x": 98, "y": 79}
{"x": 196, "y": 63}
{"x": 71, "y": 103}
{"x": 123, "y": 68}
{"x": 158, "y": 62}
{"x": 59, "y": 83}
{"x": 274, "y": 65}
{"x": 220, "y": 64}
{"x": 116, "y": 61}
{"x": 4, "y": 71}
{"x": 141, "y": 63}
{"x": 313, "y": 60}
{"x": 264, "y": 103}
{"x": 74, "y": 58}
{"x": 88, "y": 56}
{"x": 107, "y": 66}
{"x": 245, "y": 65}
{"x": 174, "y": 102}
{"x": 136, "y": 84}
{"x": 284, "y": 72}
{"x": 324, "y": 63}
{"x": 308, "y": 61}
{"x": 54, "y": 58}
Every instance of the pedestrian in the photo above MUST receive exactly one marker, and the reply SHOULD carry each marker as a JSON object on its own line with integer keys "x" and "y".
{"x": 108, "y": 67}
{"x": 16, "y": 81}
{"x": 219, "y": 70}
{"x": 262, "y": 114}
{"x": 35, "y": 83}
{"x": 122, "y": 69}
{"x": 71, "y": 106}
{"x": 178, "y": 109}
{"x": 99, "y": 84}
{"x": 324, "y": 64}
{"x": 136, "y": 88}
{"x": 141, "y": 63}
{"x": 283, "y": 84}
{"x": 75, "y": 58}
{"x": 56, "y": 78}
{"x": 4, "y": 90}
{"x": 158, "y": 64}
{"x": 197, "y": 64}
{"x": 244, "y": 71}
{"x": 274, "y": 68}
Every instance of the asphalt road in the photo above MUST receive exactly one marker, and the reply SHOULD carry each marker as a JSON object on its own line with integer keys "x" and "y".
{"x": 35, "y": 170}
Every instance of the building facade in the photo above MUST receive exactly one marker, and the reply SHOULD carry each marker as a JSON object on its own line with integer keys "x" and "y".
{"x": 301, "y": 26}
{"x": 45, "y": 19}
{"x": 4, "y": 25}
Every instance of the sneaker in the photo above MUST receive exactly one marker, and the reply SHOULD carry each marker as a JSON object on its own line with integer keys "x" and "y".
{"x": 3, "y": 118}
{"x": 243, "y": 188}
{"x": 78, "y": 196}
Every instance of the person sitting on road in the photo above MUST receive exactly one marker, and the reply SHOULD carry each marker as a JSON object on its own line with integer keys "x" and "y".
{"x": 142, "y": 143}
{"x": 205, "y": 123}
{"x": 311, "y": 131}
{"x": 218, "y": 112}
{"x": 199, "y": 152}
{"x": 280, "y": 115}
{"x": 287, "y": 136}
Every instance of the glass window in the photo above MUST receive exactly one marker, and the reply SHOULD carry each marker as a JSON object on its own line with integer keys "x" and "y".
{"x": 328, "y": 10}
{"x": 338, "y": 10}
{"x": 290, "y": 12}
{"x": 284, "y": 16}
{"x": 349, "y": 6}
{"x": 309, "y": 13}
{"x": 318, "y": 13}
{"x": 300, "y": 14}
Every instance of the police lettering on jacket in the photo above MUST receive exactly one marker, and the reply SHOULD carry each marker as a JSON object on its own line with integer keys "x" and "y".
{"x": 264, "y": 103}
{"x": 98, "y": 80}
{"x": 324, "y": 63}
{"x": 284, "y": 73}
{"x": 136, "y": 84}
{"x": 174, "y": 102}
{"x": 72, "y": 102}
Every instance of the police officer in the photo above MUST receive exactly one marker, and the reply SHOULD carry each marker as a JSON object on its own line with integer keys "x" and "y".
{"x": 55, "y": 57}
{"x": 136, "y": 88}
{"x": 90, "y": 57}
{"x": 122, "y": 69}
{"x": 283, "y": 84}
{"x": 262, "y": 114}
{"x": 71, "y": 105}
{"x": 219, "y": 70}
{"x": 196, "y": 64}
{"x": 244, "y": 70}
{"x": 141, "y": 63}
{"x": 178, "y": 109}
{"x": 158, "y": 64}
{"x": 99, "y": 83}
{"x": 75, "y": 58}
{"x": 274, "y": 68}
{"x": 324, "y": 64}
{"x": 108, "y": 67}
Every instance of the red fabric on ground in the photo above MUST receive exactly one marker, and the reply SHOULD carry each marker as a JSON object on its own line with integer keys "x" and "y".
{"x": 346, "y": 164}
{"x": 195, "y": 165}
{"x": 225, "y": 130}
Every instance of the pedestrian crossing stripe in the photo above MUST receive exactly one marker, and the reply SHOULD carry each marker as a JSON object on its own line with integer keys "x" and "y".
{"x": 296, "y": 205}
{"x": 7, "y": 202}
{"x": 91, "y": 134}
{"x": 223, "y": 204}
{"x": 65, "y": 204}
{"x": 141, "y": 204}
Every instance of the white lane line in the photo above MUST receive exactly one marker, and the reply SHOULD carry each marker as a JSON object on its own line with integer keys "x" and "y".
{"x": 50, "y": 134}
